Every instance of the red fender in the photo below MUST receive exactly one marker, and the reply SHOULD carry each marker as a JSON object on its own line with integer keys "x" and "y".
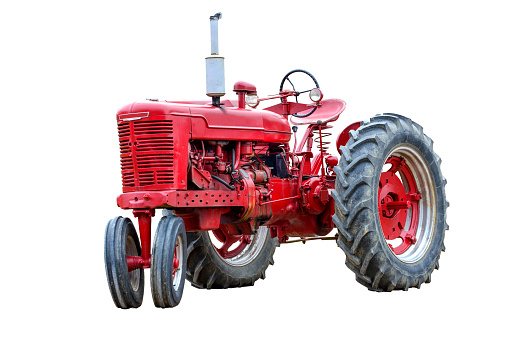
{"x": 344, "y": 135}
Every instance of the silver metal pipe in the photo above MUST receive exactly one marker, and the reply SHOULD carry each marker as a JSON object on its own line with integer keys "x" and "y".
{"x": 214, "y": 32}
{"x": 215, "y": 82}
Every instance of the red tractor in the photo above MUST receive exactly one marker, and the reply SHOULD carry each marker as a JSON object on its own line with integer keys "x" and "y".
{"x": 232, "y": 188}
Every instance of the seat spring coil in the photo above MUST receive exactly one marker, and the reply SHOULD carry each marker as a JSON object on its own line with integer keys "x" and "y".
{"x": 324, "y": 146}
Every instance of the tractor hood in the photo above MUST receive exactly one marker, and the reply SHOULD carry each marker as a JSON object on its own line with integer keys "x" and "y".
{"x": 211, "y": 123}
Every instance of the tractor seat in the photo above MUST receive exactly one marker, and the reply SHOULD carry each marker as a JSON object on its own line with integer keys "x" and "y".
{"x": 329, "y": 110}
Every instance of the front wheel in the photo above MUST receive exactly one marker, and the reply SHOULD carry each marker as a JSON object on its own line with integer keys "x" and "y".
{"x": 169, "y": 262}
{"x": 120, "y": 241}
{"x": 390, "y": 204}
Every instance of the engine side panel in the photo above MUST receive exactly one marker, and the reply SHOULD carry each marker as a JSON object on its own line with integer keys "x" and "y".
{"x": 211, "y": 123}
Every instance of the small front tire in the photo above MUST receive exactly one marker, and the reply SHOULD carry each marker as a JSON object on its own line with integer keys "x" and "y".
{"x": 169, "y": 262}
{"x": 120, "y": 241}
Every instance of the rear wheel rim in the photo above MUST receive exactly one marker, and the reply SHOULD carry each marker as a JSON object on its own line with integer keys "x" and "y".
{"x": 238, "y": 250}
{"x": 407, "y": 204}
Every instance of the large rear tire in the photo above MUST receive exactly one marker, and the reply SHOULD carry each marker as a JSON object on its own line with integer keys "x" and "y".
{"x": 222, "y": 265}
{"x": 390, "y": 204}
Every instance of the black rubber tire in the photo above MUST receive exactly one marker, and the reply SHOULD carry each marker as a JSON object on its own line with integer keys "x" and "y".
{"x": 356, "y": 208}
{"x": 164, "y": 295}
{"x": 207, "y": 269}
{"x": 126, "y": 288}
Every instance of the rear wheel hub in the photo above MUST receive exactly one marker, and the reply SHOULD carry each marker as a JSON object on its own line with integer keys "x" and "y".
{"x": 231, "y": 245}
{"x": 398, "y": 205}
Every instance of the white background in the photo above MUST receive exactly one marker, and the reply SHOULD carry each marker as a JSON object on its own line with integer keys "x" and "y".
{"x": 66, "y": 67}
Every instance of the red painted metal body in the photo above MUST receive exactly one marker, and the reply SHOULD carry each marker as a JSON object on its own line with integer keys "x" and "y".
{"x": 394, "y": 204}
{"x": 221, "y": 167}
{"x": 229, "y": 170}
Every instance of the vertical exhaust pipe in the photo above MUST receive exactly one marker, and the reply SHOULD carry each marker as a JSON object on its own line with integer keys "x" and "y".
{"x": 214, "y": 32}
{"x": 215, "y": 82}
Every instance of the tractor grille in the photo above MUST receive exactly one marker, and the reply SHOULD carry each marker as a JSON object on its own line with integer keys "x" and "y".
{"x": 146, "y": 154}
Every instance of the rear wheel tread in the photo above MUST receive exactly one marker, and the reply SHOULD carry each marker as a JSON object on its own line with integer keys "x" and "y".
{"x": 354, "y": 187}
{"x": 346, "y": 153}
{"x": 353, "y": 134}
{"x": 211, "y": 280}
{"x": 341, "y": 177}
{"x": 406, "y": 285}
{"x": 373, "y": 139}
{"x": 192, "y": 246}
{"x": 378, "y": 276}
{"x": 341, "y": 229}
{"x": 366, "y": 229}
{"x": 361, "y": 205}
{"x": 350, "y": 256}
{"x": 197, "y": 270}
{"x": 342, "y": 208}
{"x": 352, "y": 165}
{"x": 358, "y": 233}
{"x": 371, "y": 126}
{"x": 363, "y": 277}
{"x": 205, "y": 269}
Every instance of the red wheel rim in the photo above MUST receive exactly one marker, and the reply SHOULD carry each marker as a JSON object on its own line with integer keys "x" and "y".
{"x": 398, "y": 204}
{"x": 176, "y": 263}
{"x": 231, "y": 245}
{"x": 178, "y": 257}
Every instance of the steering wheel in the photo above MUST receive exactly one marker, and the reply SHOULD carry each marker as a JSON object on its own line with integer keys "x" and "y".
{"x": 286, "y": 77}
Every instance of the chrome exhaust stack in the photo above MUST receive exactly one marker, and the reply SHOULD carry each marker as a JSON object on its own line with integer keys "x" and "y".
{"x": 215, "y": 81}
